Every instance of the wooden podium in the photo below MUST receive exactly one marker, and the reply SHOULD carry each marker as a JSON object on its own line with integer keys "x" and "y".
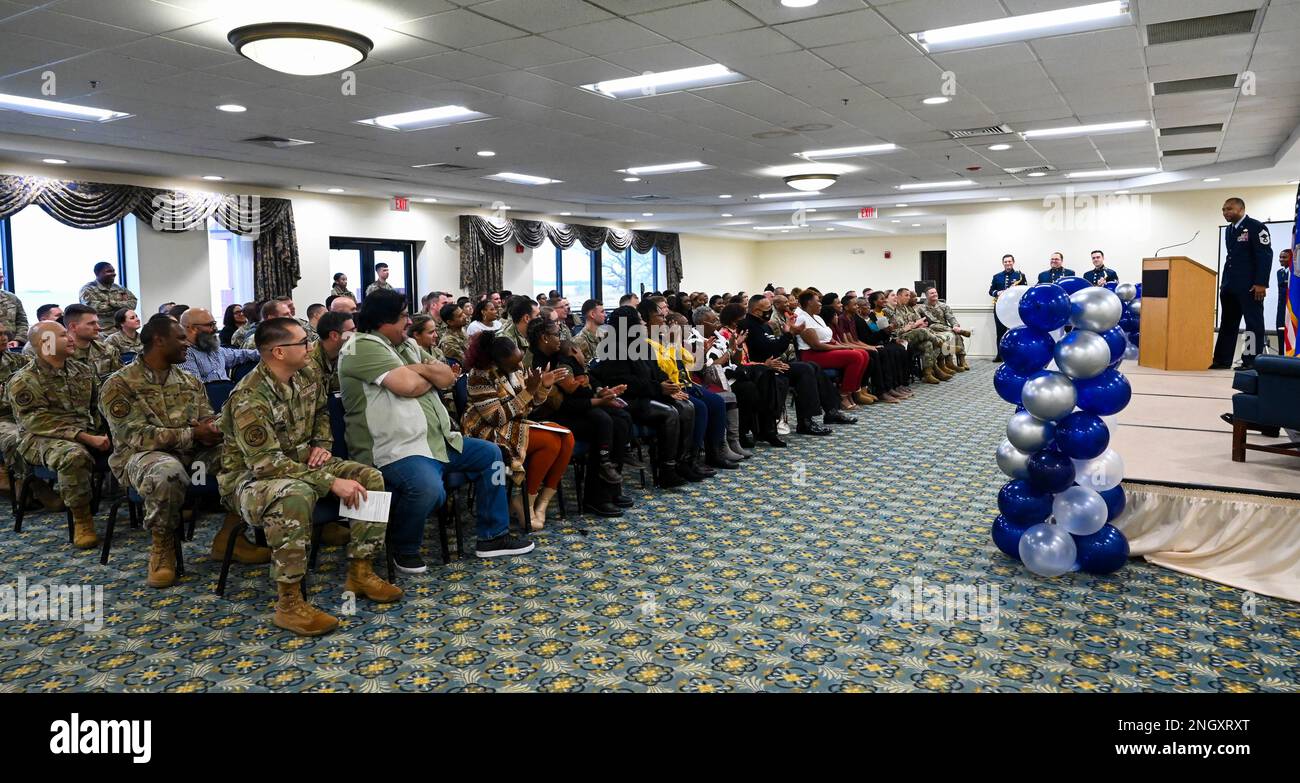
{"x": 1177, "y": 328}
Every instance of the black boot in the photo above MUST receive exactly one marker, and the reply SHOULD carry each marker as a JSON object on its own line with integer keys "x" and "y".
{"x": 608, "y": 471}
{"x": 618, "y": 499}
{"x": 670, "y": 475}
{"x": 772, "y": 439}
{"x": 597, "y": 502}
{"x": 811, "y": 427}
{"x": 630, "y": 460}
{"x": 713, "y": 457}
{"x": 746, "y": 441}
{"x": 689, "y": 469}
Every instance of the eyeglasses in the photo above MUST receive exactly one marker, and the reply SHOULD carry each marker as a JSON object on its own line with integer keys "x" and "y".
{"x": 299, "y": 344}
{"x": 208, "y": 325}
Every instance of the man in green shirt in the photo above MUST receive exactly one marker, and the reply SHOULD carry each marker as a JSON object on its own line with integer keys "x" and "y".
{"x": 396, "y": 422}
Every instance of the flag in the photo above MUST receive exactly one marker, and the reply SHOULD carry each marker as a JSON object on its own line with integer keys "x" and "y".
{"x": 1293, "y": 290}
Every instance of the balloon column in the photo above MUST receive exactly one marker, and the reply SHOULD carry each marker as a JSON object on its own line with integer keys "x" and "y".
{"x": 1131, "y": 295}
{"x": 1065, "y": 479}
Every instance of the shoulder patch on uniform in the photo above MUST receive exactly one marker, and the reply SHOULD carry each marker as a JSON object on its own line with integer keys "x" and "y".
{"x": 119, "y": 408}
{"x": 1264, "y": 237}
{"x": 256, "y": 436}
{"x": 23, "y": 398}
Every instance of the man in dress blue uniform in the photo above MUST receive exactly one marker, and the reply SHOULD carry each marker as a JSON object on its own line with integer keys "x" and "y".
{"x": 1283, "y": 286}
{"x": 1001, "y": 282}
{"x": 1056, "y": 270}
{"x": 1099, "y": 274}
{"x": 1243, "y": 284}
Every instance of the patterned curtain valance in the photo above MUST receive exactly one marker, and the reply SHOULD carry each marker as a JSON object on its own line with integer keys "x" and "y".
{"x": 96, "y": 205}
{"x": 481, "y": 240}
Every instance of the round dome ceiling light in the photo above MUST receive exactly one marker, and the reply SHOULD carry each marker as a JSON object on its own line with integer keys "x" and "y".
{"x": 811, "y": 182}
{"x": 300, "y": 48}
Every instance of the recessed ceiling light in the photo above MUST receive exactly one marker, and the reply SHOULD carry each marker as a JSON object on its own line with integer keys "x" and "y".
{"x": 1121, "y": 193}
{"x": 631, "y": 179}
{"x": 300, "y": 48}
{"x": 1212, "y": 179}
{"x": 811, "y": 182}
{"x": 900, "y": 205}
{"x": 1025, "y": 26}
{"x": 916, "y": 225}
{"x": 1111, "y": 172}
{"x": 648, "y": 84}
{"x": 334, "y": 190}
{"x": 668, "y": 168}
{"x": 522, "y": 179}
{"x": 810, "y": 209}
{"x": 725, "y": 195}
{"x": 936, "y": 100}
{"x": 431, "y": 201}
{"x": 629, "y": 220}
{"x": 1087, "y": 130}
{"x": 798, "y": 3}
{"x": 62, "y": 111}
{"x": 727, "y": 214}
{"x": 213, "y": 177}
{"x": 1037, "y": 174}
{"x": 54, "y": 161}
{"x": 895, "y": 221}
{"x": 233, "y": 108}
{"x": 1005, "y": 198}
{"x": 566, "y": 213}
{"x": 647, "y": 214}
{"x": 485, "y": 153}
{"x": 830, "y": 229}
{"x": 952, "y": 183}
{"x": 999, "y": 147}
{"x": 847, "y": 152}
{"x": 423, "y": 119}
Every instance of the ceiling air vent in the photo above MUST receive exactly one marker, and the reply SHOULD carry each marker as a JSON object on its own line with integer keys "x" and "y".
{"x": 1022, "y": 171}
{"x": 446, "y": 168}
{"x": 1226, "y": 82}
{"x": 967, "y": 133}
{"x": 651, "y": 197}
{"x": 1192, "y": 151}
{"x": 276, "y": 142}
{"x": 1200, "y": 27}
{"x": 1183, "y": 130}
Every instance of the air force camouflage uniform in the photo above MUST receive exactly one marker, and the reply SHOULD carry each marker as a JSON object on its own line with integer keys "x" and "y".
{"x": 10, "y": 363}
{"x": 99, "y": 356}
{"x": 942, "y": 323}
{"x": 52, "y": 406}
{"x": 13, "y": 316}
{"x": 270, "y": 429}
{"x": 106, "y": 300}
{"x": 930, "y": 344}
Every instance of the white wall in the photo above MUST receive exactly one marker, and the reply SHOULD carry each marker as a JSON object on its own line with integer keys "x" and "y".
{"x": 832, "y": 264}
{"x": 717, "y": 265}
{"x": 170, "y": 268}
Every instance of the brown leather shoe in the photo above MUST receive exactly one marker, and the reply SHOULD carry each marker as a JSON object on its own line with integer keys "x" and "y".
{"x": 244, "y": 551}
{"x": 362, "y": 580}
{"x": 83, "y": 529}
{"x": 162, "y": 559}
{"x": 292, "y": 613}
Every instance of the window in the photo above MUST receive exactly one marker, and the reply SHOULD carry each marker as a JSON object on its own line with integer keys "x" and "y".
{"x": 629, "y": 272}
{"x": 49, "y": 262}
{"x": 613, "y": 277}
{"x": 575, "y": 273}
{"x": 545, "y": 272}
{"x": 356, "y": 258}
{"x": 230, "y": 268}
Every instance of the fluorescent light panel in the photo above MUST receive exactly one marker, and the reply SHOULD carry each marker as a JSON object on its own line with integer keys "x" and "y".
{"x": 650, "y": 84}
{"x": 422, "y": 119}
{"x": 955, "y": 183}
{"x": 1087, "y": 130}
{"x": 667, "y": 168}
{"x": 1111, "y": 173}
{"x": 1024, "y": 27}
{"x": 62, "y": 111}
{"x": 522, "y": 179}
{"x": 847, "y": 152}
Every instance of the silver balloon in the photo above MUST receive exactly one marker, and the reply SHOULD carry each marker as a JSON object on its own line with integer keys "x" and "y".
{"x": 1048, "y": 550}
{"x": 1049, "y": 397}
{"x": 1100, "y": 473}
{"x": 1095, "y": 309}
{"x": 1012, "y": 461}
{"x": 1028, "y": 434}
{"x": 1083, "y": 354}
{"x": 1080, "y": 510}
{"x": 1130, "y": 352}
{"x": 1127, "y": 292}
{"x": 1135, "y": 307}
{"x": 1008, "y": 306}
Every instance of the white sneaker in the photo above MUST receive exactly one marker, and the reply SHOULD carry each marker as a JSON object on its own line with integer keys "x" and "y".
{"x": 782, "y": 427}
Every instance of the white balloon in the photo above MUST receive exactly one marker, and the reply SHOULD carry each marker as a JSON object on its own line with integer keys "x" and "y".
{"x": 1048, "y": 550}
{"x": 1008, "y": 306}
{"x": 1080, "y": 510}
{"x": 1100, "y": 473}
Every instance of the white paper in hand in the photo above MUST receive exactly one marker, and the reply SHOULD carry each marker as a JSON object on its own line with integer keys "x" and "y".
{"x": 373, "y": 509}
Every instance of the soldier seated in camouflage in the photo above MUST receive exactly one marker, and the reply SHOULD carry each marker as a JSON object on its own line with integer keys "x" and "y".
{"x": 103, "y": 296}
{"x": 165, "y": 438}
{"x": 87, "y": 347}
{"x": 53, "y": 400}
{"x": 910, "y": 325}
{"x": 12, "y": 316}
{"x": 127, "y": 337}
{"x": 276, "y": 465}
{"x": 942, "y": 320}
{"x": 10, "y": 363}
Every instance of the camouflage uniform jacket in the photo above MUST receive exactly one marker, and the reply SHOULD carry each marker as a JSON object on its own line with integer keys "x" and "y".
{"x": 106, "y": 300}
{"x": 588, "y": 342}
{"x": 240, "y": 334}
{"x": 326, "y": 369}
{"x": 379, "y": 285}
{"x": 55, "y": 403}
{"x": 10, "y": 363}
{"x": 124, "y": 344}
{"x": 145, "y": 415}
{"x": 13, "y": 316}
{"x": 940, "y": 315}
{"x": 453, "y": 343}
{"x": 100, "y": 357}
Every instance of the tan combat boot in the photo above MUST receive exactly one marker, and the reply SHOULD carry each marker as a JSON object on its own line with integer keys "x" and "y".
{"x": 949, "y": 365}
{"x": 244, "y": 551}
{"x": 927, "y": 376}
{"x": 962, "y": 365}
{"x": 46, "y": 496}
{"x": 362, "y": 580}
{"x": 864, "y": 397}
{"x": 162, "y": 559}
{"x": 292, "y": 613}
{"x": 83, "y": 529}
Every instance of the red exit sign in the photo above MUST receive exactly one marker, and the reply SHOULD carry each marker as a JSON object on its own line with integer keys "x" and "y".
{"x": 867, "y": 213}
{"x": 401, "y": 204}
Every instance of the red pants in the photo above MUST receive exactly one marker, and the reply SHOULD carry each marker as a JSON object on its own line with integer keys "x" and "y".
{"x": 548, "y": 456}
{"x": 853, "y": 363}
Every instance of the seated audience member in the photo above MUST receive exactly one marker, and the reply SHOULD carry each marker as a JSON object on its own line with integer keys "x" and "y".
{"x": 873, "y": 328}
{"x": 501, "y": 396}
{"x": 438, "y": 300}
{"x": 13, "y": 468}
{"x": 453, "y": 340}
{"x": 943, "y": 322}
{"x": 280, "y": 307}
{"x": 652, "y": 400}
{"x": 771, "y": 332}
{"x": 54, "y": 404}
{"x": 762, "y": 405}
{"x": 165, "y": 307}
{"x": 276, "y": 465}
{"x": 252, "y": 313}
{"x": 230, "y": 322}
{"x": 594, "y": 416}
{"x": 49, "y": 312}
{"x": 83, "y": 326}
{"x": 910, "y": 327}
{"x": 314, "y": 312}
{"x": 207, "y": 359}
{"x": 484, "y": 318}
{"x": 587, "y": 340}
{"x": 629, "y": 300}
{"x": 163, "y": 430}
{"x": 177, "y": 310}
{"x": 519, "y": 311}
{"x": 653, "y": 310}
{"x": 343, "y": 304}
{"x": 127, "y": 337}
{"x": 843, "y": 332}
{"x": 713, "y": 350}
{"x": 335, "y": 331}
{"x": 715, "y": 433}
{"x": 424, "y": 330}
{"x": 817, "y": 345}
{"x": 396, "y": 422}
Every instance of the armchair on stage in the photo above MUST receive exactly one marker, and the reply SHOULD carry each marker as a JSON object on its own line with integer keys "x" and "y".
{"x": 1269, "y": 400}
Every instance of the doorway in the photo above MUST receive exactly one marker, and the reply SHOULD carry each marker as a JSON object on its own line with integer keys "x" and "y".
{"x": 934, "y": 266}
{"x": 356, "y": 258}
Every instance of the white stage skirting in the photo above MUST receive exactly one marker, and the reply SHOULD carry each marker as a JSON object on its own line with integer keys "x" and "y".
{"x": 1251, "y": 542}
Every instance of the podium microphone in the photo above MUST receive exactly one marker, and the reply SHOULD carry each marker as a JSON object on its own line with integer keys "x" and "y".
{"x": 1180, "y": 244}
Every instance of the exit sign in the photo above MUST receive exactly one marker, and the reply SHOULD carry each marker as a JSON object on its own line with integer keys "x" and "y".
{"x": 401, "y": 204}
{"x": 867, "y": 213}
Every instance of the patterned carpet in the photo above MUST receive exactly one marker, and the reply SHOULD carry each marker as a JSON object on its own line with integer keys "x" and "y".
{"x": 775, "y": 577}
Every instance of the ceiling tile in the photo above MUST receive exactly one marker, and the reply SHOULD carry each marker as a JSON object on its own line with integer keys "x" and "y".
{"x": 913, "y": 16}
{"x": 527, "y": 52}
{"x": 144, "y": 15}
{"x": 775, "y": 13}
{"x": 540, "y": 16}
{"x": 856, "y": 26}
{"x": 736, "y": 49}
{"x": 663, "y": 57}
{"x": 455, "y": 65}
{"x": 700, "y": 19}
{"x": 459, "y": 29}
{"x": 610, "y": 35}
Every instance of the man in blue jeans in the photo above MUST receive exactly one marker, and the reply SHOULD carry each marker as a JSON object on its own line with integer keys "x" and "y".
{"x": 396, "y": 422}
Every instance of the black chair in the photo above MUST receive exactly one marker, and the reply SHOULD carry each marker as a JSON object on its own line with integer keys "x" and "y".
{"x": 24, "y": 490}
{"x": 324, "y": 512}
{"x": 240, "y": 370}
{"x": 135, "y": 504}
{"x": 338, "y": 427}
{"x": 218, "y": 393}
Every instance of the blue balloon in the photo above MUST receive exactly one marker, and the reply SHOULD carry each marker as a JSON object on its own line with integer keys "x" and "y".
{"x": 1112, "y": 285}
{"x": 1116, "y": 341}
{"x": 1019, "y": 503}
{"x": 1009, "y": 383}
{"x": 1105, "y": 395}
{"x": 1006, "y": 535}
{"x": 1073, "y": 284}
{"x": 1027, "y": 349}
{"x": 1082, "y": 435}
{"x": 1102, "y": 552}
{"x": 1050, "y": 472}
{"x": 1045, "y": 306}
{"x": 1115, "y": 502}
{"x": 1133, "y": 337}
{"x": 1130, "y": 322}
{"x": 1138, "y": 286}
